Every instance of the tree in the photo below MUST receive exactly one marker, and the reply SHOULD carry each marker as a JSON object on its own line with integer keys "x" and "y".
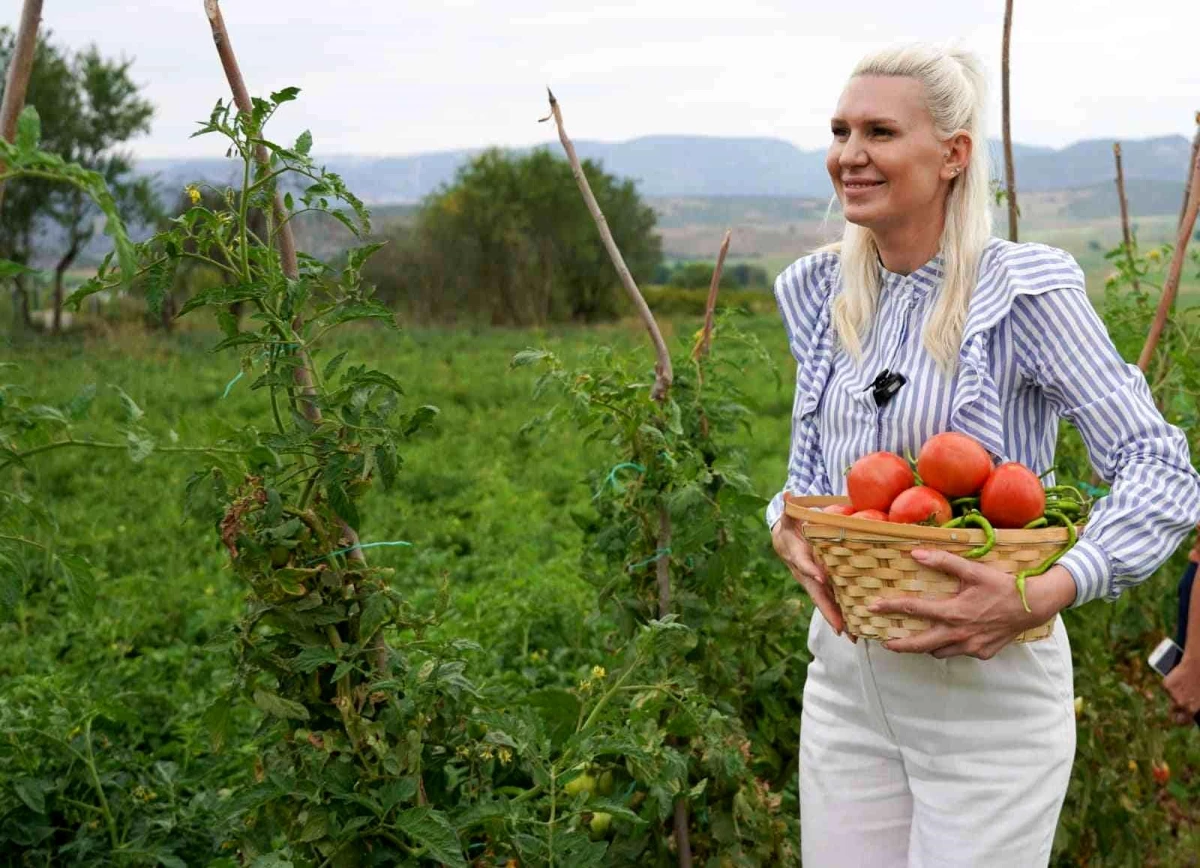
{"x": 89, "y": 107}
{"x": 510, "y": 242}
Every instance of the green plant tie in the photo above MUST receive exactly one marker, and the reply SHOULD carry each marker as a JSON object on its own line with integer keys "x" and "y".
{"x": 657, "y": 555}
{"x": 370, "y": 545}
{"x": 611, "y": 479}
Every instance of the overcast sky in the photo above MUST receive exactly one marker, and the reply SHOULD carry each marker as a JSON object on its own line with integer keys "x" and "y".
{"x": 385, "y": 77}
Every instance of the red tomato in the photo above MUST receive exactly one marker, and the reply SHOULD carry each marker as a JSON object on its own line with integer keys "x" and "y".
{"x": 873, "y": 514}
{"x": 1161, "y": 772}
{"x": 954, "y": 464}
{"x": 839, "y": 509}
{"x": 920, "y": 505}
{"x": 1013, "y": 496}
{"x": 874, "y": 480}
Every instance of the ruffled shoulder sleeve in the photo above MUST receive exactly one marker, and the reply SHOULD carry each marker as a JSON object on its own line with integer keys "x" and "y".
{"x": 802, "y": 292}
{"x": 1007, "y": 272}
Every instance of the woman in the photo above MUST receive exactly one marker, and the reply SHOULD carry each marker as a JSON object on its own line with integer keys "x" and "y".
{"x": 953, "y": 747}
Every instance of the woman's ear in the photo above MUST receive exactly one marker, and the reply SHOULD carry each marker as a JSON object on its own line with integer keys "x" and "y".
{"x": 956, "y": 154}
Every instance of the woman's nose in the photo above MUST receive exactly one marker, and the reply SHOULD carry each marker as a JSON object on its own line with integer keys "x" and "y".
{"x": 853, "y": 153}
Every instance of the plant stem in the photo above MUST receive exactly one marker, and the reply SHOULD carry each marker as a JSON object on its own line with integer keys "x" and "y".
{"x": 90, "y": 761}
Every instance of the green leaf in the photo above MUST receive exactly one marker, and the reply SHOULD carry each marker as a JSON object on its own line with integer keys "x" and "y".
{"x": 286, "y": 95}
{"x": 241, "y": 339}
{"x": 9, "y": 269}
{"x": 29, "y": 130}
{"x": 361, "y": 310}
{"x": 132, "y": 411}
{"x": 271, "y": 860}
{"x": 81, "y": 582}
{"x": 288, "y": 202}
{"x": 359, "y": 377}
{"x": 140, "y": 446}
{"x": 276, "y": 705}
{"x": 32, "y": 791}
{"x": 263, "y": 456}
{"x": 221, "y": 295}
{"x": 315, "y": 827}
{"x": 303, "y": 144}
{"x": 529, "y": 357}
{"x": 218, "y": 723}
{"x": 78, "y": 406}
{"x": 375, "y": 612}
{"x": 431, "y": 830}
{"x": 385, "y": 460}
{"x": 311, "y": 659}
{"x": 342, "y": 504}
{"x": 333, "y": 364}
{"x": 419, "y": 418}
{"x": 558, "y": 709}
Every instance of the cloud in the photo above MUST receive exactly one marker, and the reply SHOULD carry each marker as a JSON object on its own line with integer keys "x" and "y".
{"x": 382, "y": 78}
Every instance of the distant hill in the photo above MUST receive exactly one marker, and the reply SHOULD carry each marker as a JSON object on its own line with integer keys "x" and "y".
{"x": 711, "y": 166}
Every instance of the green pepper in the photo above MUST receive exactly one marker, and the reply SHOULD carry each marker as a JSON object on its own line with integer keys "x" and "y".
{"x": 989, "y": 533}
{"x": 1037, "y": 522}
{"x": 1050, "y": 561}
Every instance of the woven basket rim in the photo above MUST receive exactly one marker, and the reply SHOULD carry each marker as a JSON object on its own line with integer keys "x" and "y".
{"x": 824, "y": 525}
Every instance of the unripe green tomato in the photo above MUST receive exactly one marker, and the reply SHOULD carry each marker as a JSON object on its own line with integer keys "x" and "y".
{"x": 604, "y": 785}
{"x": 585, "y": 783}
{"x": 279, "y": 556}
{"x": 599, "y": 825}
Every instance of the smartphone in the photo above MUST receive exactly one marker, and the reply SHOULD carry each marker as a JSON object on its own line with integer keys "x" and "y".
{"x": 1166, "y": 657}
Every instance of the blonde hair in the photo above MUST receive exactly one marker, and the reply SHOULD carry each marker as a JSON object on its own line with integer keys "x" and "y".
{"x": 955, "y": 94}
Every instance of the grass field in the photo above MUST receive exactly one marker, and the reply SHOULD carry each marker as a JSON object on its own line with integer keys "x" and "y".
{"x": 485, "y": 507}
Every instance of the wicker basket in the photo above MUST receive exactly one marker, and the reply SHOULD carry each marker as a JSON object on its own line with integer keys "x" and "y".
{"x": 869, "y": 559}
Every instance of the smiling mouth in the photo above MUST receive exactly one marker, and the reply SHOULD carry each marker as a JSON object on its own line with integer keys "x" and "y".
{"x": 861, "y": 185}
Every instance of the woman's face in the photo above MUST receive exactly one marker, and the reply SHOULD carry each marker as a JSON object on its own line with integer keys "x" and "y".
{"x": 886, "y": 161}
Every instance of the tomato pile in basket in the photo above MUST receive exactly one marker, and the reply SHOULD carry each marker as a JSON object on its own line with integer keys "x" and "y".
{"x": 953, "y": 483}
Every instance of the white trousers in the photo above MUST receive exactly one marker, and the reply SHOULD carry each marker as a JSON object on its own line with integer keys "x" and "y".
{"x": 907, "y": 760}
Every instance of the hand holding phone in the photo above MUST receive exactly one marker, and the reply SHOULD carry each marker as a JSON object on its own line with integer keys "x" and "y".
{"x": 1164, "y": 658}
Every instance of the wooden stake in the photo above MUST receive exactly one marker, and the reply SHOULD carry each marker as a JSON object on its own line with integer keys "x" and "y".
{"x": 1171, "y": 287}
{"x": 1187, "y": 186}
{"x": 301, "y": 374}
{"x": 1125, "y": 233}
{"x": 1010, "y": 171}
{"x": 662, "y": 370}
{"x": 705, "y": 340}
{"x": 20, "y": 67}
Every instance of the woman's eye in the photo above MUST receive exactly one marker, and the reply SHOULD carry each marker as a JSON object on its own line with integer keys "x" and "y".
{"x": 840, "y": 132}
{"x": 881, "y": 131}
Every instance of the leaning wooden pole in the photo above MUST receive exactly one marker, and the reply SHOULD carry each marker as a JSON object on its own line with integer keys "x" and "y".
{"x": 663, "y": 377}
{"x": 20, "y": 67}
{"x": 1126, "y": 234}
{"x": 1171, "y": 287}
{"x": 1187, "y": 185}
{"x": 1010, "y": 171}
{"x": 302, "y": 373}
{"x": 702, "y": 344}
{"x": 662, "y": 369}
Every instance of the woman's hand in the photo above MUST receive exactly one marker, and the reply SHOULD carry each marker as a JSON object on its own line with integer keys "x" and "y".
{"x": 985, "y": 615}
{"x": 1183, "y": 684}
{"x": 793, "y": 549}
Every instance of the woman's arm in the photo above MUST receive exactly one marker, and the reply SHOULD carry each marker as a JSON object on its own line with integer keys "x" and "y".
{"x": 1154, "y": 498}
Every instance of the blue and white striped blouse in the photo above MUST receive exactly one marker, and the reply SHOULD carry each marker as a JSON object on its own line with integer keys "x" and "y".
{"x": 1033, "y": 350}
